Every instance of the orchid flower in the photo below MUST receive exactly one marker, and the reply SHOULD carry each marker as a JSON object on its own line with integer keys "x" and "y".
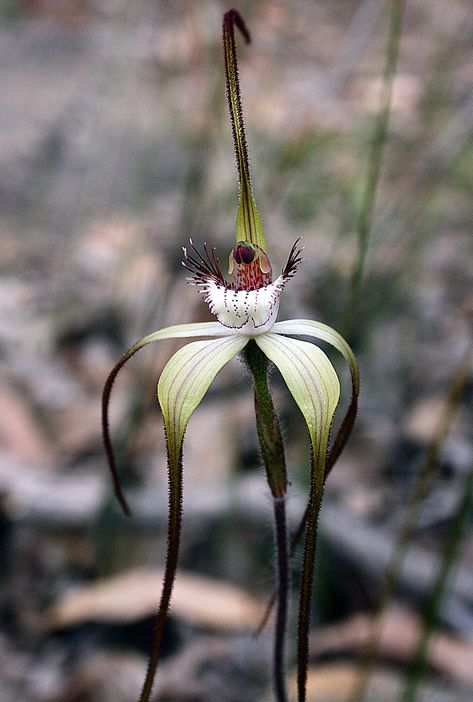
{"x": 246, "y": 306}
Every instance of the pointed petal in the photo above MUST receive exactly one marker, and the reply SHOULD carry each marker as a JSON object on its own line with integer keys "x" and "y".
{"x": 317, "y": 330}
{"x": 186, "y": 378}
{"x": 314, "y": 385}
{"x": 176, "y": 332}
{"x": 310, "y": 378}
{"x": 307, "y": 327}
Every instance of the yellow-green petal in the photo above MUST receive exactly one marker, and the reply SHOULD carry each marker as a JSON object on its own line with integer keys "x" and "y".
{"x": 178, "y": 331}
{"x": 184, "y": 331}
{"x": 185, "y": 380}
{"x": 310, "y": 377}
{"x": 318, "y": 330}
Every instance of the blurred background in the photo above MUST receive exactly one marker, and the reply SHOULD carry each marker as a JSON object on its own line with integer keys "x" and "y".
{"x": 116, "y": 148}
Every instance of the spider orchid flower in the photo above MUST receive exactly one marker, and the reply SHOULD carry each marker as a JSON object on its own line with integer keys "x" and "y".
{"x": 246, "y": 309}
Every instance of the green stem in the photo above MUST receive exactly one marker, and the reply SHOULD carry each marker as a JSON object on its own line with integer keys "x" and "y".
{"x": 280, "y": 521}
{"x": 267, "y": 422}
{"x": 272, "y": 450}
{"x": 318, "y": 462}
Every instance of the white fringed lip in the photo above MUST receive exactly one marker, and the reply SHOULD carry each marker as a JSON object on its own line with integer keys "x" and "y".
{"x": 250, "y": 311}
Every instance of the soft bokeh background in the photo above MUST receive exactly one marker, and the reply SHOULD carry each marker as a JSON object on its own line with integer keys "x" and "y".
{"x": 115, "y": 149}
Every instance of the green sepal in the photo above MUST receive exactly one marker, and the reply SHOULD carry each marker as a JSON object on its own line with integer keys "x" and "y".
{"x": 311, "y": 379}
{"x": 249, "y": 226}
{"x": 248, "y": 223}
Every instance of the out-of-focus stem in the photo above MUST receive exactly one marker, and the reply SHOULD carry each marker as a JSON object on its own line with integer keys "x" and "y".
{"x": 424, "y": 479}
{"x": 364, "y": 219}
{"x": 429, "y": 620}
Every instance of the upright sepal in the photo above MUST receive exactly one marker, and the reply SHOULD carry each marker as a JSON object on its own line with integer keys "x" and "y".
{"x": 248, "y": 224}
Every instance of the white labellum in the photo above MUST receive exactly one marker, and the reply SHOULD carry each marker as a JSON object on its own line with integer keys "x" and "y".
{"x": 252, "y": 312}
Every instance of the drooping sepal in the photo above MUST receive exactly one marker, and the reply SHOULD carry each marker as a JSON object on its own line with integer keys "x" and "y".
{"x": 178, "y": 331}
{"x": 310, "y": 378}
{"x": 185, "y": 380}
{"x": 318, "y": 330}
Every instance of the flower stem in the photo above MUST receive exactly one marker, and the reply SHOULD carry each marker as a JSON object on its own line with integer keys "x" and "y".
{"x": 172, "y": 558}
{"x": 280, "y": 521}
{"x": 272, "y": 450}
{"x": 318, "y": 462}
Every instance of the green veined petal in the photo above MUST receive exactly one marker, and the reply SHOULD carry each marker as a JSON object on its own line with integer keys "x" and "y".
{"x": 186, "y": 378}
{"x": 314, "y": 385}
{"x": 310, "y": 378}
{"x": 317, "y": 330}
{"x": 182, "y": 385}
{"x": 185, "y": 331}
{"x": 176, "y": 332}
